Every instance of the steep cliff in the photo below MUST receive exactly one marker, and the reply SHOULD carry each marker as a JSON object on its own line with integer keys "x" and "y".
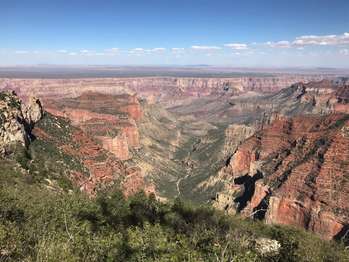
{"x": 71, "y": 152}
{"x": 49, "y": 150}
{"x": 293, "y": 172}
{"x": 111, "y": 120}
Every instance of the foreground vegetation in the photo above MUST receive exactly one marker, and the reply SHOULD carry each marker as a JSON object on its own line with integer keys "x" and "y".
{"x": 38, "y": 223}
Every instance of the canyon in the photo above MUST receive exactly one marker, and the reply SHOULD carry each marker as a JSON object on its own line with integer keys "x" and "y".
{"x": 273, "y": 148}
{"x": 169, "y": 89}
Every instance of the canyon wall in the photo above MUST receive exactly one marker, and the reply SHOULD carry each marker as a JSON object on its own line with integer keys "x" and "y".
{"x": 294, "y": 169}
{"x": 293, "y": 172}
{"x": 286, "y": 152}
{"x": 152, "y": 88}
{"x": 111, "y": 120}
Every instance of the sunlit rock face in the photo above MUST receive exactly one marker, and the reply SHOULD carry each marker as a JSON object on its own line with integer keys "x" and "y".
{"x": 111, "y": 120}
{"x": 295, "y": 172}
{"x": 17, "y": 119}
{"x": 99, "y": 168}
{"x": 102, "y": 132}
{"x": 117, "y": 145}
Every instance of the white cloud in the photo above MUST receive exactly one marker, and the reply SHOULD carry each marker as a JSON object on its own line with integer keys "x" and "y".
{"x": 177, "y": 49}
{"x": 203, "y": 47}
{"x": 140, "y": 50}
{"x": 22, "y": 52}
{"x": 237, "y": 46}
{"x": 279, "y": 44}
{"x": 72, "y": 53}
{"x": 158, "y": 49}
{"x": 62, "y": 51}
{"x": 308, "y": 40}
{"x": 84, "y": 51}
{"x": 321, "y": 40}
{"x": 137, "y": 51}
{"x": 344, "y": 51}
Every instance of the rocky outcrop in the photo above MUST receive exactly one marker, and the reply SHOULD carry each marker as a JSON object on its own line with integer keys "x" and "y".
{"x": 234, "y": 135}
{"x": 130, "y": 129}
{"x": 111, "y": 120}
{"x": 92, "y": 167}
{"x": 117, "y": 145}
{"x": 89, "y": 165}
{"x": 294, "y": 172}
{"x": 17, "y": 120}
{"x": 32, "y": 111}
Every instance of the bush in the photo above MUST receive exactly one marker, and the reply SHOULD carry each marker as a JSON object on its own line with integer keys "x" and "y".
{"x": 37, "y": 224}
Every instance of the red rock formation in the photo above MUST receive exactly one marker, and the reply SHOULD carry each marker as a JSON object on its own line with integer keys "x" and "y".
{"x": 79, "y": 116}
{"x": 103, "y": 168}
{"x": 131, "y": 131}
{"x": 117, "y": 145}
{"x": 304, "y": 162}
{"x": 110, "y": 119}
{"x": 133, "y": 108}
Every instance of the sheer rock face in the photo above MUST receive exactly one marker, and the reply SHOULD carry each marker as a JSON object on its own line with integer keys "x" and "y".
{"x": 234, "y": 135}
{"x": 17, "y": 120}
{"x": 33, "y": 111}
{"x": 117, "y": 145}
{"x": 108, "y": 132}
{"x": 111, "y": 120}
{"x": 101, "y": 168}
{"x": 295, "y": 172}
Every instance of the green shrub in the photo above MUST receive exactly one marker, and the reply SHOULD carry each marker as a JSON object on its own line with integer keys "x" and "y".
{"x": 37, "y": 224}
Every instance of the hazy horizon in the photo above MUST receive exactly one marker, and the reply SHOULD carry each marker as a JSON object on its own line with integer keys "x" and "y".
{"x": 107, "y": 71}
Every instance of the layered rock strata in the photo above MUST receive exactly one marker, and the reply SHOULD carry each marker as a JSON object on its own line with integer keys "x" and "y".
{"x": 111, "y": 120}
{"x": 294, "y": 172}
{"x": 166, "y": 89}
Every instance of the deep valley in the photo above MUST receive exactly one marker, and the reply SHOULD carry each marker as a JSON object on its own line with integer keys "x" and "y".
{"x": 274, "y": 149}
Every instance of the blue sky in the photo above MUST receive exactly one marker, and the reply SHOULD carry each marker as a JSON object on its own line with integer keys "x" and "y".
{"x": 264, "y": 33}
